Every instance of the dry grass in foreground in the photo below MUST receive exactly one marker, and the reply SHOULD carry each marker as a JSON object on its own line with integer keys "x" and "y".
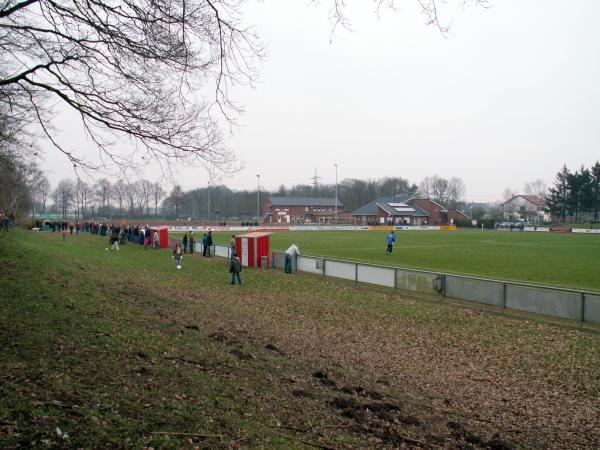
{"x": 119, "y": 349}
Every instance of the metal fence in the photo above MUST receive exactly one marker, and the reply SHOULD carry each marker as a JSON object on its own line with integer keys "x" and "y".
{"x": 579, "y": 305}
{"x": 572, "y": 304}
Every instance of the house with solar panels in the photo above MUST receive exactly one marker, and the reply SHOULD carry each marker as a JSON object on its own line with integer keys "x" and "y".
{"x": 405, "y": 210}
{"x": 390, "y": 211}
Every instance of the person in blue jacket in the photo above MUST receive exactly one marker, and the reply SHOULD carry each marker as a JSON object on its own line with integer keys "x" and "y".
{"x": 391, "y": 238}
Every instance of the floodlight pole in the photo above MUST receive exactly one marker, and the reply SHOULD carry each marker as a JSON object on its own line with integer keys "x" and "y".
{"x": 208, "y": 205}
{"x": 258, "y": 197}
{"x": 336, "y": 198}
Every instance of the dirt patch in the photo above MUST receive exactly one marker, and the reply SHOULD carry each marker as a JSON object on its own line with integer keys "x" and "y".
{"x": 460, "y": 433}
{"x": 142, "y": 371}
{"x": 223, "y": 337}
{"x": 274, "y": 349}
{"x": 141, "y": 355}
{"x": 323, "y": 376}
{"x": 241, "y": 355}
{"x": 302, "y": 394}
{"x": 350, "y": 407}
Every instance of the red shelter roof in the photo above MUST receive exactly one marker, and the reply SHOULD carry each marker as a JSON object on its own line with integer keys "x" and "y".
{"x": 254, "y": 234}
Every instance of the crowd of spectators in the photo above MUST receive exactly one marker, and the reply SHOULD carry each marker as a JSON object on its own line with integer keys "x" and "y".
{"x": 135, "y": 234}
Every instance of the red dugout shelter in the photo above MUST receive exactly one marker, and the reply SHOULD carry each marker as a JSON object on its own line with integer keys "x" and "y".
{"x": 163, "y": 236}
{"x": 251, "y": 247}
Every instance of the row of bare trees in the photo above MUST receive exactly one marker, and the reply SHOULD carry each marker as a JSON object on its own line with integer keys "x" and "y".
{"x": 103, "y": 198}
{"x": 448, "y": 192}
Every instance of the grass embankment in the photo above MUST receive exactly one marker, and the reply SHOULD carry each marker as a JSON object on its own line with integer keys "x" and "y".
{"x": 566, "y": 260}
{"x": 121, "y": 350}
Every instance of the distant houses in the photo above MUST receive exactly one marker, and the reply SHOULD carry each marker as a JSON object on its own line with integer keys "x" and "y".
{"x": 525, "y": 207}
{"x": 406, "y": 210}
{"x": 396, "y": 210}
{"x": 303, "y": 210}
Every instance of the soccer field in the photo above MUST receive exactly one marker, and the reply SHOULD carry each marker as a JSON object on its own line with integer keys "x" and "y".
{"x": 567, "y": 260}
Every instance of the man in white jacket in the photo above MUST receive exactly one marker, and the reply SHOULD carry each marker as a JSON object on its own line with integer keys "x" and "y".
{"x": 290, "y": 253}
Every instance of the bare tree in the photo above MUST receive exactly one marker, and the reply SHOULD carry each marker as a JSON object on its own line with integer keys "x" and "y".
{"x": 507, "y": 194}
{"x": 17, "y": 170}
{"x": 136, "y": 69}
{"x": 140, "y": 70}
{"x": 158, "y": 194}
{"x": 43, "y": 187}
{"x": 435, "y": 188}
{"x": 142, "y": 193}
{"x": 82, "y": 195}
{"x": 130, "y": 196}
{"x": 63, "y": 196}
{"x": 456, "y": 192}
{"x": 103, "y": 192}
{"x": 120, "y": 191}
{"x": 430, "y": 9}
{"x": 537, "y": 187}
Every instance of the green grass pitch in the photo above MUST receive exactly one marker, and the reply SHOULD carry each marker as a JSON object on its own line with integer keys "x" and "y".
{"x": 567, "y": 260}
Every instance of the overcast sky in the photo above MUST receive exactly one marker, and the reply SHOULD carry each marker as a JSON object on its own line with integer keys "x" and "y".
{"x": 508, "y": 96}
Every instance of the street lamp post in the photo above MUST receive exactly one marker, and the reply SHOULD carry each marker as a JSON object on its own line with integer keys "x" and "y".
{"x": 336, "y": 198}
{"x": 258, "y": 197}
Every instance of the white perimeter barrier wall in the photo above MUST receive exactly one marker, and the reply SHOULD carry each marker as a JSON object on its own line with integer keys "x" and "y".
{"x": 569, "y": 304}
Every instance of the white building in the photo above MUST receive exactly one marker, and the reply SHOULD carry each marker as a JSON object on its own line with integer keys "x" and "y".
{"x": 524, "y": 207}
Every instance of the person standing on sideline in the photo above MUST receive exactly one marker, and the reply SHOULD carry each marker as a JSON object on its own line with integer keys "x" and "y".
{"x": 156, "y": 240}
{"x": 192, "y": 242}
{"x": 209, "y": 243}
{"x": 204, "y": 239}
{"x": 232, "y": 246}
{"x": 391, "y": 238}
{"x": 184, "y": 242}
{"x": 235, "y": 267}
{"x": 290, "y": 253}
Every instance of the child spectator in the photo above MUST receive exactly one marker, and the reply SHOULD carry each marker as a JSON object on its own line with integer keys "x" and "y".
{"x": 177, "y": 255}
{"x": 114, "y": 239}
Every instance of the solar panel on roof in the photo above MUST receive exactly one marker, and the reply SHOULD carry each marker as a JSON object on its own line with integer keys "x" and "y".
{"x": 394, "y": 205}
{"x": 404, "y": 209}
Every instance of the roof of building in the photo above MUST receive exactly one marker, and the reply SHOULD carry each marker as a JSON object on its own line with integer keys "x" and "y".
{"x": 254, "y": 234}
{"x": 394, "y": 206}
{"x": 458, "y": 211}
{"x": 305, "y": 201}
{"x": 441, "y": 207}
{"x": 534, "y": 199}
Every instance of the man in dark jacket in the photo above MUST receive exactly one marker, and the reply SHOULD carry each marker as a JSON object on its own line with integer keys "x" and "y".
{"x": 192, "y": 242}
{"x": 204, "y": 240}
{"x": 209, "y": 243}
{"x": 184, "y": 241}
{"x": 235, "y": 267}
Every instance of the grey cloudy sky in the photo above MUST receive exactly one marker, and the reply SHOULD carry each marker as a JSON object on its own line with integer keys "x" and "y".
{"x": 508, "y": 96}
